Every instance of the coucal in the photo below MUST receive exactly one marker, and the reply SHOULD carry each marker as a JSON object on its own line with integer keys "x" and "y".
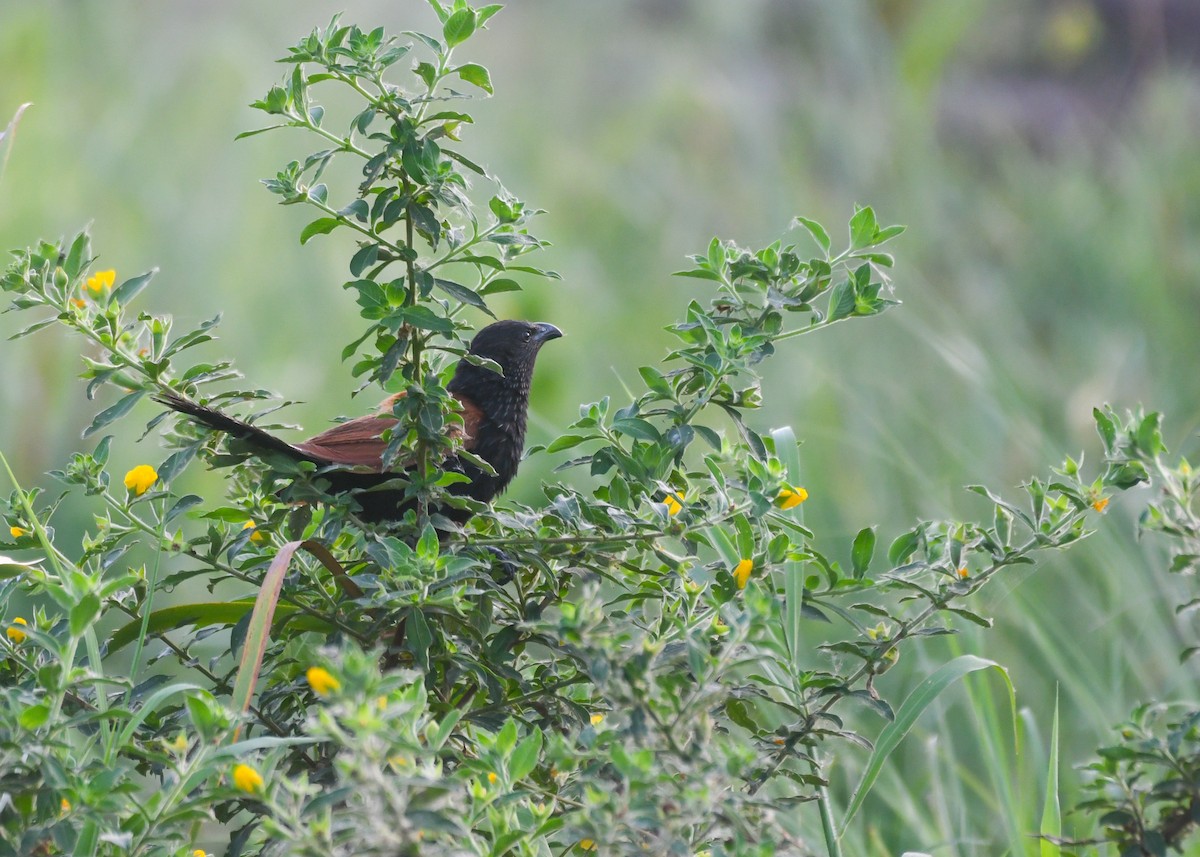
{"x": 350, "y": 455}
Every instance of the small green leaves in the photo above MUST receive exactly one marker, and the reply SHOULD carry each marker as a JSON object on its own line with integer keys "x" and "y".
{"x": 459, "y": 27}
{"x": 113, "y": 413}
{"x": 816, "y": 230}
{"x": 863, "y": 550}
{"x": 476, "y": 75}
{"x": 128, "y": 290}
{"x": 320, "y": 226}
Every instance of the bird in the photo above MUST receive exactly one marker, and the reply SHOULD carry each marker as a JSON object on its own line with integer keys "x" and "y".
{"x": 350, "y": 455}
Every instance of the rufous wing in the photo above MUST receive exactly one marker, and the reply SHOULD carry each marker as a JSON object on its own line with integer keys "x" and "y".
{"x": 358, "y": 442}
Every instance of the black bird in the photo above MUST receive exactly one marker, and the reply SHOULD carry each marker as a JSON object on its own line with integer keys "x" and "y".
{"x": 350, "y": 455}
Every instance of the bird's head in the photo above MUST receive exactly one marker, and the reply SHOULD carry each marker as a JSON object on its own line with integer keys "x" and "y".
{"x": 512, "y": 344}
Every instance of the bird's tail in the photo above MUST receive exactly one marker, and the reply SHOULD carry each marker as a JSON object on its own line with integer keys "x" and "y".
{"x": 255, "y": 437}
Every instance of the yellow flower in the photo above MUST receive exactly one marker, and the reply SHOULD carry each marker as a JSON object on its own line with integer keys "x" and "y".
{"x": 1101, "y": 504}
{"x": 789, "y": 499}
{"x": 78, "y": 303}
{"x": 65, "y": 805}
{"x": 673, "y": 504}
{"x": 322, "y": 681}
{"x": 597, "y": 719}
{"x": 246, "y": 779}
{"x": 587, "y": 844}
{"x": 101, "y": 282}
{"x": 16, "y": 634}
{"x": 741, "y": 574}
{"x": 255, "y": 536}
{"x": 140, "y": 479}
{"x": 963, "y": 573}
{"x": 16, "y": 532}
{"x": 491, "y": 776}
{"x": 199, "y": 852}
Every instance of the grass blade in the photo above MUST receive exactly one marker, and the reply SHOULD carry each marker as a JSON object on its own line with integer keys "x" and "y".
{"x": 1051, "y": 825}
{"x": 924, "y": 694}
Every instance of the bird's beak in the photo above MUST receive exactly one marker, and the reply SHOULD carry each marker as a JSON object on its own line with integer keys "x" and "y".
{"x": 546, "y": 332}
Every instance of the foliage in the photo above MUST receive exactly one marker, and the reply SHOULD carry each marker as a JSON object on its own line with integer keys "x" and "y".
{"x": 657, "y": 663}
{"x": 1146, "y": 786}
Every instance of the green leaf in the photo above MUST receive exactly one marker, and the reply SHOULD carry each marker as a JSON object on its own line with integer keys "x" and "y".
{"x": 1106, "y": 428}
{"x": 183, "y": 504}
{"x": 902, "y": 548}
{"x": 464, "y": 294}
{"x": 566, "y": 441}
{"x": 79, "y": 255}
{"x": 34, "y": 716}
{"x": 439, "y": 10}
{"x": 841, "y": 301}
{"x": 115, "y": 412}
{"x": 424, "y": 318}
{"x": 459, "y": 27}
{"x": 638, "y": 428}
{"x": 485, "y": 12}
{"x": 501, "y": 284}
{"x": 84, "y": 613}
{"x": 130, "y": 289}
{"x": 356, "y": 208}
{"x": 863, "y": 550}
{"x": 863, "y": 228}
{"x": 418, "y": 637}
{"x": 10, "y": 567}
{"x": 506, "y": 740}
{"x": 525, "y": 757}
{"x": 366, "y": 256}
{"x": 655, "y": 380}
{"x": 921, "y": 697}
{"x": 320, "y": 226}
{"x": 477, "y": 75}
{"x": 816, "y": 230}
{"x": 1051, "y": 825}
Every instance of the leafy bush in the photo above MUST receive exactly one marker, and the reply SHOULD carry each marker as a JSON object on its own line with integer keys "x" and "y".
{"x": 658, "y": 659}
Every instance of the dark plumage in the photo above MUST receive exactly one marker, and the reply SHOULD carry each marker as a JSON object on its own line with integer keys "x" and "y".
{"x": 494, "y": 409}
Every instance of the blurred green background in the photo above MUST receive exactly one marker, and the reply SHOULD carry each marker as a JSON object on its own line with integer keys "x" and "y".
{"x": 1044, "y": 155}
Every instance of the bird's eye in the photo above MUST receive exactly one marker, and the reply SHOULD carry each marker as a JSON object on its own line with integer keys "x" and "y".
{"x": 525, "y": 336}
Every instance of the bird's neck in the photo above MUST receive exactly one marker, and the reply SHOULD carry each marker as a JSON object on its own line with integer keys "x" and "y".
{"x": 499, "y": 438}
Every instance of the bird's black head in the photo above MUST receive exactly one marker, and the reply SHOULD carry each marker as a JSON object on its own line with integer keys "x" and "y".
{"x": 512, "y": 344}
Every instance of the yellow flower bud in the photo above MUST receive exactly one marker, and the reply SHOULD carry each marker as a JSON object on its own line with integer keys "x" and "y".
{"x": 597, "y": 719}
{"x": 1101, "y": 504}
{"x": 674, "y": 503}
{"x": 789, "y": 499}
{"x": 16, "y": 634}
{"x": 16, "y": 532}
{"x": 255, "y": 536}
{"x": 140, "y": 479}
{"x": 322, "y": 681}
{"x": 246, "y": 779}
{"x": 741, "y": 573}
